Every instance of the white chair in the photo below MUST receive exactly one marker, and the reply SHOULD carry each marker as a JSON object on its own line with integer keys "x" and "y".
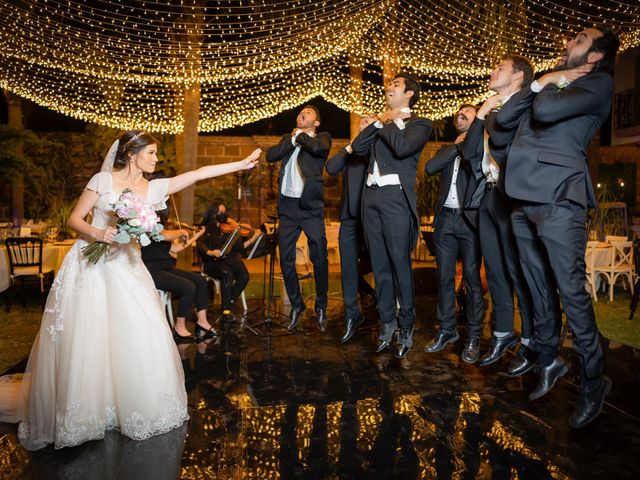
{"x": 165, "y": 298}
{"x": 304, "y": 269}
{"x": 615, "y": 238}
{"x": 218, "y": 290}
{"x": 592, "y": 275}
{"x": 620, "y": 264}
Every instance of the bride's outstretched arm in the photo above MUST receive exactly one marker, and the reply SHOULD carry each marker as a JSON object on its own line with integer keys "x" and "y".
{"x": 86, "y": 202}
{"x": 180, "y": 182}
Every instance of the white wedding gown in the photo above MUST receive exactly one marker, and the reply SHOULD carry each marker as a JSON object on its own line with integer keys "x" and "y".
{"x": 104, "y": 357}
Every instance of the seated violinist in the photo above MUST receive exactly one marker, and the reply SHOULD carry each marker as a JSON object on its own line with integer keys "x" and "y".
{"x": 228, "y": 268}
{"x": 190, "y": 287}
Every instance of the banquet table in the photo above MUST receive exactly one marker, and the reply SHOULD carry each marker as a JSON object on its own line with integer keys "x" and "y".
{"x": 52, "y": 256}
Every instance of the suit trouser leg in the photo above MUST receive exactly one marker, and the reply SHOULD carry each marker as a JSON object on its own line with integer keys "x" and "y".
{"x": 542, "y": 285}
{"x": 561, "y": 228}
{"x": 446, "y": 253}
{"x": 288, "y": 234}
{"x": 313, "y": 227}
{"x": 387, "y": 221}
{"x": 349, "y": 242}
{"x": 469, "y": 245}
{"x": 511, "y": 260}
{"x": 498, "y": 277}
{"x": 396, "y": 228}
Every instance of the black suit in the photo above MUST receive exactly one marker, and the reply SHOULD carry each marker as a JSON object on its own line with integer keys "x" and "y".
{"x": 303, "y": 214}
{"x": 547, "y": 173}
{"x": 354, "y": 171}
{"x": 390, "y": 216}
{"x": 497, "y": 242}
{"x": 455, "y": 233}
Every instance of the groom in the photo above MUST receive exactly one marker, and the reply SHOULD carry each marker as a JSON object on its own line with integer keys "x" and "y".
{"x": 393, "y": 143}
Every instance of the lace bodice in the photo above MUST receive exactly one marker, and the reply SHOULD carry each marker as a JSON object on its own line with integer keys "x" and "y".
{"x": 102, "y": 184}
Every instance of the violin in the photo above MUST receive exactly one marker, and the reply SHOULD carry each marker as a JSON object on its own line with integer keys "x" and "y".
{"x": 230, "y": 225}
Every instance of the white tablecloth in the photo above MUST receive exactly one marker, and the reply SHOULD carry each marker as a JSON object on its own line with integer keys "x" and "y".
{"x": 52, "y": 256}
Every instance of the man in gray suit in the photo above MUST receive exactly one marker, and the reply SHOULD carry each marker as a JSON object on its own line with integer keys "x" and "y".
{"x": 393, "y": 143}
{"x": 546, "y": 173}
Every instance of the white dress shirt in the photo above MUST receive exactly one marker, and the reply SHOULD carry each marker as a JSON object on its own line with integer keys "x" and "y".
{"x": 293, "y": 180}
{"x": 452, "y": 200}
{"x": 391, "y": 178}
{"x": 490, "y": 167}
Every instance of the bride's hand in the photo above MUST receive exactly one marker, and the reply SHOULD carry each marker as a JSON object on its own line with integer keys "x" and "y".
{"x": 252, "y": 160}
{"x": 107, "y": 235}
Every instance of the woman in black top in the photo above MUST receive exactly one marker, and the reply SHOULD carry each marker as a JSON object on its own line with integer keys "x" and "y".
{"x": 230, "y": 269}
{"x": 189, "y": 287}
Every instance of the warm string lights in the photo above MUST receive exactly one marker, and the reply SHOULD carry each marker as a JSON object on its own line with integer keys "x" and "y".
{"x": 127, "y": 64}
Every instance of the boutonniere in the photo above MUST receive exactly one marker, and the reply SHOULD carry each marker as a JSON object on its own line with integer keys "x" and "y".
{"x": 499, "y": 104}
{"x": 563, "y": 83}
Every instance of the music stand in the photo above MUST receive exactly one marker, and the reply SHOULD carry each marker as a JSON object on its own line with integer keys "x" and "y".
{"x": 270, "y": 244}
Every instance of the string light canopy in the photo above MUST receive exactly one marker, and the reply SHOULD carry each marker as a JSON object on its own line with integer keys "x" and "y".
{"x": 127, "y": 64}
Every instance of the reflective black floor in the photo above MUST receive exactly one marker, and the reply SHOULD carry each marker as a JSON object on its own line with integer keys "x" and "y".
{"x": 304, "y": 406}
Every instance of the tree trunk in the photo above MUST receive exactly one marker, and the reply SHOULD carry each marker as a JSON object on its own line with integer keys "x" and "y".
{"x": 17, "y": 182}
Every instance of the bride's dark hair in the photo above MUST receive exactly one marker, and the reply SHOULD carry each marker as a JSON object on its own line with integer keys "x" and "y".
{"x": 131, "y": 142}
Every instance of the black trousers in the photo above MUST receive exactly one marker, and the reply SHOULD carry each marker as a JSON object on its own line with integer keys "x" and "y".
{"x": 294, "y": 220}
{"x": 387, "y": 227}
{"x": 353, "y": 256}
{"x": 233, "y": 276}
{"x": 501, "y": 263}
{"x": 453, "y": 235}
{"x": 552, "y": 240}
{"x": 190, "y": 287}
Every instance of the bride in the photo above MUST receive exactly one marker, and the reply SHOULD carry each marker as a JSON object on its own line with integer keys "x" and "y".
{"x": 104, "y": 357}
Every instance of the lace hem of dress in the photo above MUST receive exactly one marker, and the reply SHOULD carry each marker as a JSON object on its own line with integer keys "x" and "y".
{"x": 73, "y": 428}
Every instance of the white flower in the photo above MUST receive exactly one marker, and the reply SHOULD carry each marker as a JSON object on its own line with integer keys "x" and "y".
{"x": 134, "y": 222}
{"x": 563, "y": 82}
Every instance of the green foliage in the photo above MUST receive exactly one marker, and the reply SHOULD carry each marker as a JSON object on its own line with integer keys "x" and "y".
{"x": 59, "y": 219}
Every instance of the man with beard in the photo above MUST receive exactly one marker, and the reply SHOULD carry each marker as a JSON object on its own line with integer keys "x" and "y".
{"x": 301, "y": 208}
{"x": 546, "y": 173}
{"x": 497, "y": 243}
{"x": 393, "y": 143}
{"x": 455, "y": 232}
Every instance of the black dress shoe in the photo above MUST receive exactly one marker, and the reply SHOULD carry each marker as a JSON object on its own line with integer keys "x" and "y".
{"x": 499, "y": 346}
{"x": 521, "y": 363}
{"x": 386, "y": 335}
{"x": 351, "y": 325}
{"x": 405, "y": 341}
{"x": 295, "y": 317}
{"x": 549, "y": 375}
{"x": 441, "y": 340}
{"x": 321, "y": 319}
{"x": 471, "y": 351}
{"x": 589, "y": 403}
{"x": 202, "y": 333}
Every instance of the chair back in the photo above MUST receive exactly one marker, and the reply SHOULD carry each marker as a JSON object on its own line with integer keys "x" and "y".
{"x": 615, "y": 238}
{"x": 24, "y": 252}
{"x": 622, "y": 255}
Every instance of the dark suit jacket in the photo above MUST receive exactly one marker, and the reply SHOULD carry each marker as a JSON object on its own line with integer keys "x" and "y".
{"x": 313, "y": 153}
{"x": 354, "y": 173}
{"x": 547, "y": 159}
{"x": 397, "y": 151}
{"x": 500, "y": 138}
{"x": 444, "y": 161}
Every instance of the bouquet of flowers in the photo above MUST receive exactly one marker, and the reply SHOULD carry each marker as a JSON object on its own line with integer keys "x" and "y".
{"x": 136, "y": 219}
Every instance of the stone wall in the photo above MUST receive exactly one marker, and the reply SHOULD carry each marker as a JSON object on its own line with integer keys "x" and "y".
{"x": 259, "y": 194}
